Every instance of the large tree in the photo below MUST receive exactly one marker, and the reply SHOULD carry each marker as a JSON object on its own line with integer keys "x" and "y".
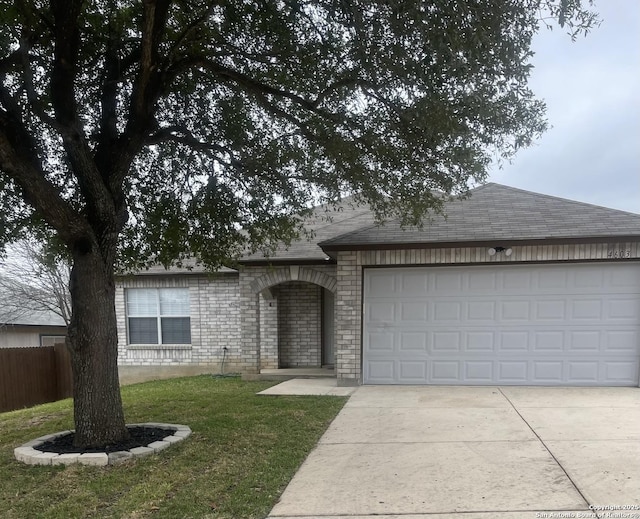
{"x": 138, "y": 132}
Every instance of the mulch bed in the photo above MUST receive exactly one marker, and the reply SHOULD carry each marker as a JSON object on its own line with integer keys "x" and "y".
{"x": 139, "y": 437}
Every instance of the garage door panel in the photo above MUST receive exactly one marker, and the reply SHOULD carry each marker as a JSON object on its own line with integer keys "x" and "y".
{"x": 625, "y": 341}
{"x": 502, "y": 325}
{"x": 512, "y": 372}
{"x": 547, "y": 371}
{"x": 414, "y": 285}
{"x": 414, "y": 311}
{"x": 381, "y": 341}
{"x": 481, "y": 311}
{"x": 623, "y": 371}
{"x": 552, "y": 279}
{"x": 381, "y": 312}
{"x": 479, "y": 371}
{"x": 586, "y": 309}
{"x": 480, "y": 341}
{"x": 447, "y": 311}
{"x": 445, "y": 371}
{"x": 447, "y": 282}
{"x": 581, "y": 371}
{"x": 413, "y": 371}
{"x": 624, "y": 309}
{"x": 382, "y": 371}
{"x": 516, "y": 281}
{"x": 445, "y": 342}
{"x": 482, "y": 282}
{"x": 584, "y": 340}
{"x": 382, "y": 282}
{"x": 550, "y": 310}
{"x": 589, "y": 278}
{"x": 511, "y": 341}
{"x": 515, "y": 311}
{"x": 624, "y": 280}
{"x": 413, "y": 342}
{"x": 548, "y": 340}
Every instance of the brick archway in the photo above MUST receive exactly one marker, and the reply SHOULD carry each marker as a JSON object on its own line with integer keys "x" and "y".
{"x": 297, "y": 299}
{"x": 294, "y": 273}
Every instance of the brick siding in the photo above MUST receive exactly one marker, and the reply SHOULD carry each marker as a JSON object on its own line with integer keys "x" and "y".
{"x": 299, "y": 336}
{"x": 215, "y": 323}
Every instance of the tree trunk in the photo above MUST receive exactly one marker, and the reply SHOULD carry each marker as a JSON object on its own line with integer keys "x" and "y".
{"x": 93, "y": 341}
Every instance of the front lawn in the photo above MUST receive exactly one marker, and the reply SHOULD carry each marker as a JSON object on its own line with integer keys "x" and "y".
{"x": 243, "y": 451}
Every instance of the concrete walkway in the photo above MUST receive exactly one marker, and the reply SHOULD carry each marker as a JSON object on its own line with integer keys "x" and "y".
{"x": 472, "y": 452}
{"x": 308, "y": 387}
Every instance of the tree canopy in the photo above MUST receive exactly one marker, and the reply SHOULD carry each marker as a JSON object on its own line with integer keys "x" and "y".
{"x": 137, "y": 132}
{"x": 199, "y": 127}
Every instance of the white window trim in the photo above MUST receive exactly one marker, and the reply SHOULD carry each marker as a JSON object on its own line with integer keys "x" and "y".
{"x": 158, "y": 318}
{"x": 159, "y": 346}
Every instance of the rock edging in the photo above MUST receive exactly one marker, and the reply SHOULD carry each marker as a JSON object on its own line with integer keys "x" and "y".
{"x": 30, "y": 454}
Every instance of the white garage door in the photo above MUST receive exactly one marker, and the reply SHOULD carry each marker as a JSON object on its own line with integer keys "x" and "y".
{"x": 568, "y": 325}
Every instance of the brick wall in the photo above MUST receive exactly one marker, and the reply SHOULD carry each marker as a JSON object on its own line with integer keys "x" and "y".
{"x": 214, "y": 315}
{"x": 299, "y": 335}
{"x": 269, "y": 332}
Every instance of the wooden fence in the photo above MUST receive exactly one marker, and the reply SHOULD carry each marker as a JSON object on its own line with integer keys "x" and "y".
{"x": 31, "y": 376}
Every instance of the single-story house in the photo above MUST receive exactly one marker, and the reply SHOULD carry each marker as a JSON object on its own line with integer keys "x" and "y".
{"x": 511, "y": 287}
{"x": 31, "y": 329}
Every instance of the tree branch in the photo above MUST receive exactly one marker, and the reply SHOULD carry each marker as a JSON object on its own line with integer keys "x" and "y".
{"x": 29, "y": 280}
{"x": 29, "y": 86}
{"x": 108, "y": 106}
{"x": 248, "y": 83}
{"x": 182, "y": 135}
{"x": 146, "y": 87}
{"x": 189, "y": 29}
{"x": 101, "y": 210}
{"x": 18, "y": 162}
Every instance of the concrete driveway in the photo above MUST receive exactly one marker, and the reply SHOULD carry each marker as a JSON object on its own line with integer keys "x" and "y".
{"x": 473, "y": 452}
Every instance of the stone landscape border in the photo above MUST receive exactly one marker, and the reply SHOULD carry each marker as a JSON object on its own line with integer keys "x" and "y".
{"x": 30, "y": 454}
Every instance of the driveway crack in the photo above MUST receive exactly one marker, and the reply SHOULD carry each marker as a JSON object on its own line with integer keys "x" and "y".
{"x": 546, "y": 448}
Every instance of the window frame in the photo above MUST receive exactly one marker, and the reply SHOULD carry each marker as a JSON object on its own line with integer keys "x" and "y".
{"x": 158, "y": 317}
{"x": 54, "y": 337}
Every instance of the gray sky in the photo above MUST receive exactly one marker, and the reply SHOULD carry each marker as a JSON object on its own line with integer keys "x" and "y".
{"x": 592, "y": 90}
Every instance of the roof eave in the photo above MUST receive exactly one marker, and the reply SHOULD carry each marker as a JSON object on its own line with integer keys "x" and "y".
{"x": 286, "y": 261}
{"x": 498, "y": 242}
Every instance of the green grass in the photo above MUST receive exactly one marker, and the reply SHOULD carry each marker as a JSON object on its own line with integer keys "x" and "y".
{"x": 243, "y": 451}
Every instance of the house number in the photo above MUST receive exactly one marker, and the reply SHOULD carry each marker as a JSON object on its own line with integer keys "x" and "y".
{"x": 619, "y": 253}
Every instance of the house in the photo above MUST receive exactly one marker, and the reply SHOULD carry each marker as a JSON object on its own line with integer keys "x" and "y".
{"x": 28, "y": 329}
{"x": 512, "y": 287}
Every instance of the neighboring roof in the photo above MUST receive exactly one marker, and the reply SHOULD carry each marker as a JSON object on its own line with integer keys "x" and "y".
{"x": 32, "y": 318}
{"x": 324, "y": 223}
{"x": 495, "y": 213}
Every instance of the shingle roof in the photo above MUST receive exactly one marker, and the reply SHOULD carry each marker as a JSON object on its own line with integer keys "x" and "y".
{"x": 325, "y": 222}
{"x": 189, "y": 266}
{"x": 497, "y": 212}
{"x": 31, "y": 318}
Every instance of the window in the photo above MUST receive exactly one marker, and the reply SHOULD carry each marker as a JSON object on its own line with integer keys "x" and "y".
{"x": 52, "y": 340}
{"x": 158, "y": 316}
